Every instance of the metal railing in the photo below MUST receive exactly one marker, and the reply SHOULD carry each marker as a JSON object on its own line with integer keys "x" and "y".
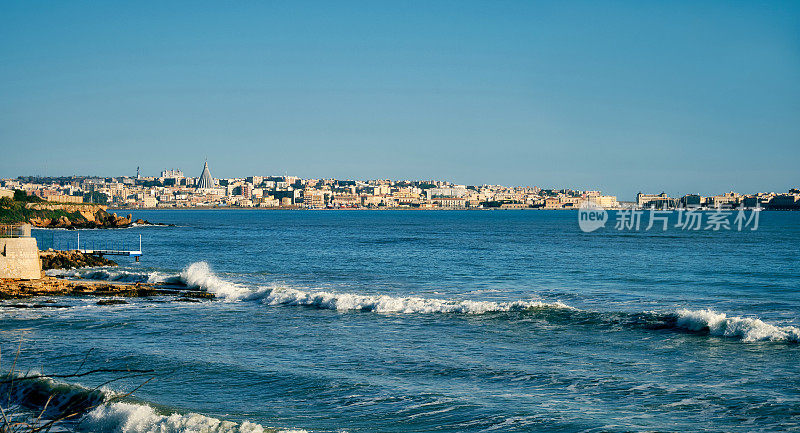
{"x": 72, "y": 241}
{"x": 15, "y": 230}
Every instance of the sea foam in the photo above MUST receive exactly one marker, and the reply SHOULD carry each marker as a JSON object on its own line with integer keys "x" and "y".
{"x": 198, "y": 275}
{"x": 743, "y": 328}
{"x": 137, "y": 418}
{"x": 114, "y": 274}
{"x": 392, "y": 304}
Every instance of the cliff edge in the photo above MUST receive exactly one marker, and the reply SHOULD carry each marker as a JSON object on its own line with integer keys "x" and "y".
{"x": 61, "y": 215}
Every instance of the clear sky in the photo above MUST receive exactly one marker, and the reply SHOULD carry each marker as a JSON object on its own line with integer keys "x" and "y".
{"x": 622, "y": 96}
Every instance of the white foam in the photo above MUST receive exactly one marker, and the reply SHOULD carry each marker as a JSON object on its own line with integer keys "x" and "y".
{"x": 137, "y": 418}
{"x": 744, "y": 328}
{"x": 198, "y": 275}
{"x": 391, "y": 304}
{"x": 113, "y": 274}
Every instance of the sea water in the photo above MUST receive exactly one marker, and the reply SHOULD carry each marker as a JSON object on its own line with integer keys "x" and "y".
{"x": 412, "y": 321}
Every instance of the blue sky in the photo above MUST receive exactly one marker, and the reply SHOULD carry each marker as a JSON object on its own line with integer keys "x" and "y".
{"x": 622, "y": 96}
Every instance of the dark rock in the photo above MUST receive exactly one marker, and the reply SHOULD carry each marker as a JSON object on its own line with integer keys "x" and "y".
{"x": 71, "y": 260}
{"x": 111, "y": 302}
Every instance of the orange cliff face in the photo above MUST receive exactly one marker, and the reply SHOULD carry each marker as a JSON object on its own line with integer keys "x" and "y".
{"x": 90, "y": 212}
{"x": 75, "y": 216}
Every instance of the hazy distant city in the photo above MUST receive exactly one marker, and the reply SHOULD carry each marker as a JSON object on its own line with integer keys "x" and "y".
{"x": 174, "y": 189}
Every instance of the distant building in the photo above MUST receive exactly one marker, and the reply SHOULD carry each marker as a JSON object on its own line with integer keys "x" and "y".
{"x": 56, "y": 197}
{"x": 658, "y": 201}
{"x": 457, "y": 192}
{"x": 692, "y": 200}
{"x": 206, "y": 181}
{"x": 172, "y": 174}
{"x": 346, "y": 200}
{"x": 552, "y": 203}
{"x": 513, "y": 206}
{"x": 314, "y": 199}
{"x": 727, "y": 200}
{"x": 450, "y": 202}
{"x": 604, "y": 201}
{"x": 785, "y": 202}
{"x": 61, "y": 198}
{"x": 148, "y": 201}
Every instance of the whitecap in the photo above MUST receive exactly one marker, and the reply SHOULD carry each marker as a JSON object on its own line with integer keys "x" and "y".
{"x": 744, "y": 328}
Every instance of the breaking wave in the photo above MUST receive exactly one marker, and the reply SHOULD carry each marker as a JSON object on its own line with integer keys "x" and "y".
{"x": 138, "y": 418}
{"x": 703, "y": 321}
{"x": 744, "y": 328}
{"x": 199, "y": 275}
{"x": 96, "y": 411}
{"x": 391, "y": 304}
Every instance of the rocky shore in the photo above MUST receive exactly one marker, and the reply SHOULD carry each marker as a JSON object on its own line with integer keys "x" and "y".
{"x": 79, "y": 217}
{"x": 50, "y": 286}
{"x": 52, "y": 259}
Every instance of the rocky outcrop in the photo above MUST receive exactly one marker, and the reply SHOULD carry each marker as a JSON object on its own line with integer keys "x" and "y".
{"x": 71, "y": 259}
{"x": 88, "y": 212}
{"x": 75, "y": 216}
{"x": 63, "y": 215}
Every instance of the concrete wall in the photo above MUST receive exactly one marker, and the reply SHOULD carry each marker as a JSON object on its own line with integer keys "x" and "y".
{"x": 19, "y": 258}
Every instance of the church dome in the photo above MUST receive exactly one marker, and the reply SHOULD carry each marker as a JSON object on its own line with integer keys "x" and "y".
{"x": 206, "y": 181}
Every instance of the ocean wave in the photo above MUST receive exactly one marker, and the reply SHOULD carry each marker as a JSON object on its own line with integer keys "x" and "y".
{"x": 703, "y": 321}
{"x": 391, "y": 304}
{"x": 199, "y": 275}
{"x": 744, "y": 328}
{"x": 18, "y": 392}
{"x": 96, "y": 410}
{"x": 138, "y": 418}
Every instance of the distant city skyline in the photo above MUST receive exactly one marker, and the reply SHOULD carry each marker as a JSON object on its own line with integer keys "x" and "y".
{"x": 206, "y": 181}
{"x": 621, "y": 97}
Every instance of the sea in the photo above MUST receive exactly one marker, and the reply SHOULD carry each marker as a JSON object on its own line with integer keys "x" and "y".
{"x": 420, "y": 321}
